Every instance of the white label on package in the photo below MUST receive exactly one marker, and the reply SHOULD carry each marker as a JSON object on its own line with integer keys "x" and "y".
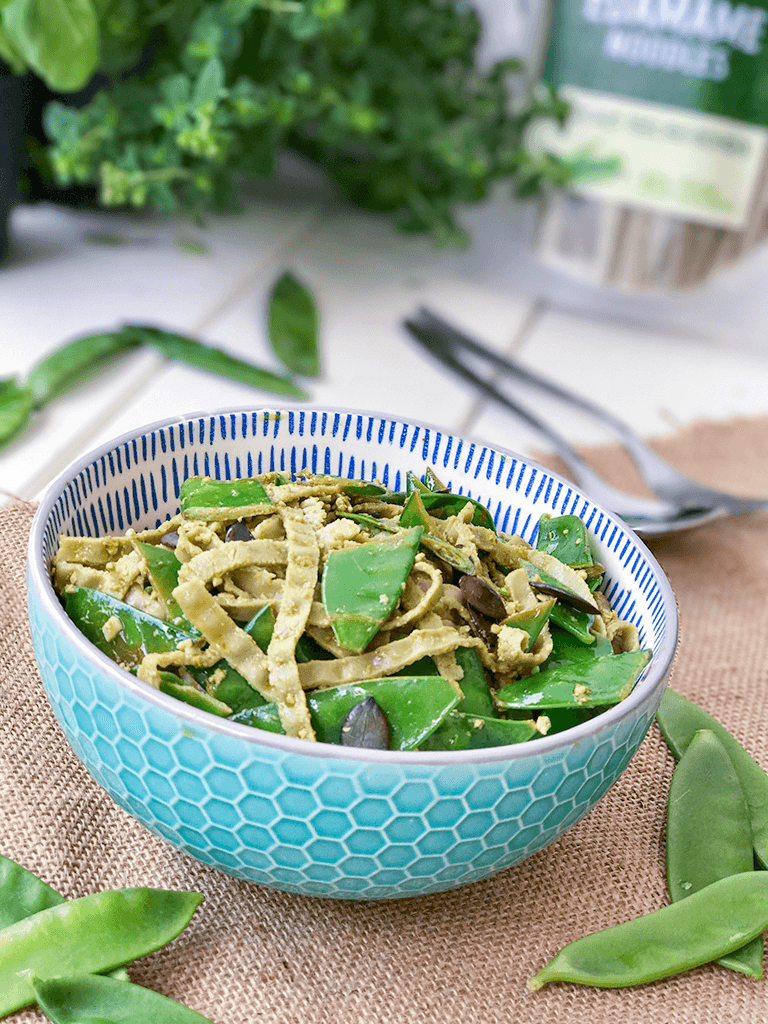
{"x": 697, "y": 166}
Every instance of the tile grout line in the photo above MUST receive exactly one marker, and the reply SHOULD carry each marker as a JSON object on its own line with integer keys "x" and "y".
{"x": 538, "y": 309}
{"x": 291, "y": 243}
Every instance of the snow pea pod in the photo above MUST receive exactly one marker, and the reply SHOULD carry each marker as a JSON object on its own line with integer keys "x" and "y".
{"x": 423, "y": 667}
{"x": 565, "y": 615}
{"x": 308, "y": 649}
{"x": 72, "y": 362}
{"x": 230, "y": 688}
{"x": 533, "y": 620}
{"x": 293, "y": 325}
{"x": 561, "y": 719}
{"x": 16, "y": 405}
{"x": 201, "y": 497}
{"x": 438, "y": 501}
{"x": 600, "y": 684}
{"x": 679, "y": 720}
{"x": 412, "y": 483}
{"x": 163, "y": 568}
{"x": 442, "y": 549}
{"x": 714, "y": 921}
{"x": 361, "y": 585}
{"x": 442, "y": 504}
{"x": 90, "y": 998}
{"x": 88, "y": 935}
{"x": 415, "y": 514}
{"x": 215, "y": 360}
{"x": 140, "y": 633}
{"x": 460, "y": 731}
{"x": 474, "y": 685}
{"x": 566, "y": 538}
{"x": 414, "y": 706}
{"x": 22, "y": 893}
{"x": 567, "y": 649}
{"x": 174, "y": 687}
{"x": 708, "y": 832}
{"x": 433, "y": 483}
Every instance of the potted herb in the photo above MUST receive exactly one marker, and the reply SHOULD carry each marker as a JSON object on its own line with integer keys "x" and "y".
{"x": 12, "y": 96}
{"x": 385, "y": 95}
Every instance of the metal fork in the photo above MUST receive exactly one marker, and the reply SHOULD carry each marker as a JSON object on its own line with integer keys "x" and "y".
{"x": 682, "y": 503}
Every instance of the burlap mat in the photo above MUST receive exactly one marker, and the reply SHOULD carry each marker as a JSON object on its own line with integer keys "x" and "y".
{"x": 254, "y": 955}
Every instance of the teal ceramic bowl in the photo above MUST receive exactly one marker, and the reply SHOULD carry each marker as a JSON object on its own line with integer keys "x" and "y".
{"x": 314, "y": 818}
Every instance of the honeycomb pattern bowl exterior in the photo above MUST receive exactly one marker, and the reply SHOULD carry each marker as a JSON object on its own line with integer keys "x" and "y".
{"x": 315, "y": 818}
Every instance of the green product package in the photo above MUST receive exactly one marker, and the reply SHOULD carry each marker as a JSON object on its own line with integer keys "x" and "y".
{"x": 667, "y": 138}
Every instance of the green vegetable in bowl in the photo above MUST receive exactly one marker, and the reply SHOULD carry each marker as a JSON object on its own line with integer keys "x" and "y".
{"x": 337, "y": 611}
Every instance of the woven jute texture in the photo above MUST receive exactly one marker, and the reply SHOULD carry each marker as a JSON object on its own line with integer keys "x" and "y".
{"x": 255, "y": 955}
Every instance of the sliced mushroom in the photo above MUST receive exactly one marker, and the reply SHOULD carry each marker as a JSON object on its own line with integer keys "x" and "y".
{"x": 566, "y": 596}
{"x": 480, "y": 595}
{"x": 365, "y": 725}
{"x": 238, "y": 531}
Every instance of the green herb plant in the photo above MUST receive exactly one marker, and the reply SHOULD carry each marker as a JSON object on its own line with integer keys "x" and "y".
{"x": 386, "y": 96}
{"x": 293, "y": 332}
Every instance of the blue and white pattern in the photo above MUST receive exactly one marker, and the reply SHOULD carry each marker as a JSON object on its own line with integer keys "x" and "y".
{"x": 314, "y": 818}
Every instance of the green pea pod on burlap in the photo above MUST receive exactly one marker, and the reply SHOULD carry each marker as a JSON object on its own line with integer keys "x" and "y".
{"x": 90, "y": 998}
{"x": 708, "y": 832}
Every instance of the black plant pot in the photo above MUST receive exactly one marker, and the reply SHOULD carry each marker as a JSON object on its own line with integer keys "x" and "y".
{"x": 13, "y": 118}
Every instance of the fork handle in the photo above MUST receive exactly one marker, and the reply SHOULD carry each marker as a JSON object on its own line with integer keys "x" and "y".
{"x": 647, "y": 460}
{"x": 627, "y": 506}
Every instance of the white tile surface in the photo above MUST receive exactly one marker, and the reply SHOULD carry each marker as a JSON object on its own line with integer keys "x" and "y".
{"x": 657, "y": 365}
{"x": 656, "y": 382}
{"x": 60, "y": 283}
{"x": 366, "y": 279}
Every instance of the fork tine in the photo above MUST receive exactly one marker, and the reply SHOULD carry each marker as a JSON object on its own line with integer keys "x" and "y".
{"x": 630, "y": 507}
{"x": 663, "y": 478}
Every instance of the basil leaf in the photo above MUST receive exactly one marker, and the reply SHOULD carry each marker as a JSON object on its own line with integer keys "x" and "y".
{"x": 60, "y": 40}
{"x": 73, "y": 362}
{"x": 215, "y": 360}
{"x": 293, "y": 326}
{"x": 9, "y": 53}
{"x": 16, "y": 404}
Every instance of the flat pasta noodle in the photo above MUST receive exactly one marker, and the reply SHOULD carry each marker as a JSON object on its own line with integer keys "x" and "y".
{"x": 224, "y": 635}
{"x": 264, "y": 575}
{"x": 185, "y": 656}
{"x": 385, "y": 660}
{"x": 216, "y": 562}
{"x": 300, "y": 580}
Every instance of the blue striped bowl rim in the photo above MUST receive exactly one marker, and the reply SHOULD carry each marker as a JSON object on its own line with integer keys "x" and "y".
{"x": 64, "y": 507}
